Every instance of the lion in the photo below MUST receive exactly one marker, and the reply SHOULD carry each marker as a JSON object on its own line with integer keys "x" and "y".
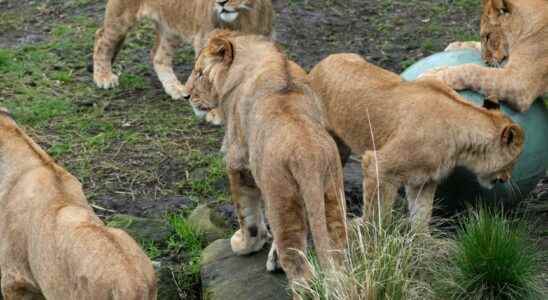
{"x": 514, "y": 32}
{"x": 276, "y": 148}
{"x": 411, "y": 134}
{"x": 190, "y": 20}
{"x": 52, "y": 245}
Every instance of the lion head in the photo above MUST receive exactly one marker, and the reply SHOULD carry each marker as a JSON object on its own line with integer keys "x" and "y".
{"x": 494, "y": 41}
{"x": 504, "y": 23}
{"x": 508, "y": 143}
{"x": 209, "y": 73}
{"x": 228, "y": 10}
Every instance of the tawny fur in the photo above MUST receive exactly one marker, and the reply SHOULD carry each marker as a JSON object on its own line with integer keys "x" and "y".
{"x": 190, "y": 20}
{"x": 52, "y": 245}
{"x": 275, "y": 129}
{"x": 420, "y": 130}
{"x": 512, "y": 30}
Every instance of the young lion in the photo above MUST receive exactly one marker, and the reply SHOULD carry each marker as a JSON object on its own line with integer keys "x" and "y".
{"x": 411, "y": 134}
{"x": 52, "y": 245}
{"x": 190, "y": 20}
{"x": 275, "y": 129}
{"x": 516, "y": 30}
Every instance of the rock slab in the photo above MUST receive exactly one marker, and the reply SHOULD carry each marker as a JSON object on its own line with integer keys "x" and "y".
{"x": 228, "y": 276}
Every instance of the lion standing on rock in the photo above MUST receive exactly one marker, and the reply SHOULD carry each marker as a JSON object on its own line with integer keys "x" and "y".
{"x": 190, "y": 20}
{"x": 274, "y": 129}
{"x": 52, "y": 245}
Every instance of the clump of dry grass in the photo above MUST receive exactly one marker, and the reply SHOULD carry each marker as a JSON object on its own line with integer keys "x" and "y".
{"x": 382, "y": 262}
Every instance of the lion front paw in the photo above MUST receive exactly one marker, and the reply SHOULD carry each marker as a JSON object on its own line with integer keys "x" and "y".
{"x": 435, "y": 73}
{"x": 463, "y": 45}
{"x": 105, "y": 80}
{"x": 243, "y": 245}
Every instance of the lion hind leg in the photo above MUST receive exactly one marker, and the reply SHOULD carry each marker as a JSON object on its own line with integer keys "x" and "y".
{"x": 162, "y": 59}
{"x": 335, "y": 210}
{"x": 289, "y": 229}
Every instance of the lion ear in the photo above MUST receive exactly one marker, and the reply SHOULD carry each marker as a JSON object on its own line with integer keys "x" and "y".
{"x": 222, "y": 47}
{"x": 512, "y": 135}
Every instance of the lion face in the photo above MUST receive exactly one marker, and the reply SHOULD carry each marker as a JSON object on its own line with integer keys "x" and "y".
{"x": 228, "y": 10}
{"x": 508, "y": 146}
{"x": 495, "y": 22}
{"x": 209, "y": 74}
{"x": 202, "y": 96}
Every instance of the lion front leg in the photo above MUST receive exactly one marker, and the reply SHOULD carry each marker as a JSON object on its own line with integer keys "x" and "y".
{"x": 420, "y": 200}
{"x": 253, "y": 233}
{"x": 504, "y": 84}
{"x": 379, "y": 188}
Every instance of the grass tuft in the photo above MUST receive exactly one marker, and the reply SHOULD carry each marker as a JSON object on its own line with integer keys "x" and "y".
{"x": 492, "y": 258}
{"x": 390, "y": 262}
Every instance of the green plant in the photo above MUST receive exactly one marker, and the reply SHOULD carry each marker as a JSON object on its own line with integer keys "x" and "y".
{"x": 190, "y": 241}
{"x": 493, "y": 258}
{"x": 381, "y": 262}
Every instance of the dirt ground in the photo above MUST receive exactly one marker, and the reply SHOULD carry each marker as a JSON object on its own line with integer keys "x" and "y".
{"x": 139, "y": 152}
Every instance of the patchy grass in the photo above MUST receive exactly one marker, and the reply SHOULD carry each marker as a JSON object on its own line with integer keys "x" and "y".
{"x": 133, "y": 141}
{"x": 493, "y": 258}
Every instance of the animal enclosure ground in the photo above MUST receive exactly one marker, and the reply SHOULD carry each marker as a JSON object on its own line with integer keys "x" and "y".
{"x": 137, "y": 151}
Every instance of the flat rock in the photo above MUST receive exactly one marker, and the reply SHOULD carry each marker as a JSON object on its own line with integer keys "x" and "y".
{"x": 228, "y": 276}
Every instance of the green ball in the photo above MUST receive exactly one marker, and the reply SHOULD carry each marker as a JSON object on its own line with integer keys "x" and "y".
{"x": 462, "y": 185}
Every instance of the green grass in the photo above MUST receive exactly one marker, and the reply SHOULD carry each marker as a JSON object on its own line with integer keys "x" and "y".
{"x": 191, "y": 242}
{"x": 387, "y": 262}
{"x": 493, "y": 258}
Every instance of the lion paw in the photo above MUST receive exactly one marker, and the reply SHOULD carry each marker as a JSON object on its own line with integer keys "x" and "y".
{"x": 463, "y": 45}
{"x": 243, "y": 245}
{"x": 435, "y": 73}
{"x": 176, "y": 90}
{"x": 105, "y": 80}
{"x": 272, "y": 262}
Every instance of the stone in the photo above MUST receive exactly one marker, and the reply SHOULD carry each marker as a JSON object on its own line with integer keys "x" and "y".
{"x": 228, "y": 276}
{"x": 209, "y": 222}
{"x": 142, "y": 229}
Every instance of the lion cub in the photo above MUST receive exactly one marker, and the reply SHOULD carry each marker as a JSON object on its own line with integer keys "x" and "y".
{"x": 513, "y": 30}
{"x": 274, "y": 129}
{"x": 420, "y": 130}
{"x": 52, "y": 245}
{"x": 190, "y": 20}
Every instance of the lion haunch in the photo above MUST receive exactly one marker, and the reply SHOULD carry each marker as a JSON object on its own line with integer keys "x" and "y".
{"x": 52, "y": 245}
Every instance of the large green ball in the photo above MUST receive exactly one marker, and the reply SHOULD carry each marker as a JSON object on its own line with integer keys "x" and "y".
{"x": 462, "y": 186}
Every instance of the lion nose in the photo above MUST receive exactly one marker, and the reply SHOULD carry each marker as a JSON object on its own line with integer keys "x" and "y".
{"x": 222, "y": 3}
{"x": 186, "y": 96}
